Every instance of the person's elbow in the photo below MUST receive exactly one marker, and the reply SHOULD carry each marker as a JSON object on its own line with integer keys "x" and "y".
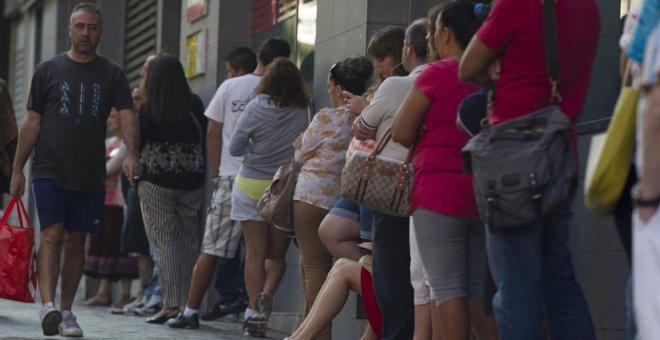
{"x": 236, "y": 149}
{"x": 403, "y": 137}
{"x": 468, "y": 74}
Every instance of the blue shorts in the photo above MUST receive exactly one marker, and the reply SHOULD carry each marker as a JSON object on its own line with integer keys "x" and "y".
{"x": 77, "y": 211}
{"x": 353, "y": 211}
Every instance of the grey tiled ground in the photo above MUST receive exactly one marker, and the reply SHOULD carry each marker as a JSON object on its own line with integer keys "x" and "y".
{"x": 21, "y": 321}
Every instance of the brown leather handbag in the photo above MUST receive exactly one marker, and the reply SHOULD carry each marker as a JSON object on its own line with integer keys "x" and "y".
{"x": 377, "y": 182}
{"x": 276, "y": 205}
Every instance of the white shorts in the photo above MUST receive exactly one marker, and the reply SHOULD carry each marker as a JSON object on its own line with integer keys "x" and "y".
{"x": 243, "y": 208}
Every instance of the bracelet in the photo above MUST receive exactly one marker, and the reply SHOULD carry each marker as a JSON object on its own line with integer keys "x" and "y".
{"x": 639, "y": 201}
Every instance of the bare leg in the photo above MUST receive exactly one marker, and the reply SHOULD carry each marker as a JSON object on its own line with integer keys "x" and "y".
{"x": 484, "y": 326}
{"x": 104, "y": 288}
{"x": 125, "y": 288}
{"x": 201, "y": 279}
{"x": 340, "y": 236}
{"x": 435, "y": 322}
{"x": 276, "y": 261}
{"x": 102, "y": 296}
{"x": 74, "y": 260}
{"x": 369, "y": 334}
{"x": 454, "y": 319}
{"x": 145, "y": 271}
{"x": 48, "y": 261}
{"x": 256, "y": 248}
{"x": 344, "y": 277}
{"x": 423, "y": 330}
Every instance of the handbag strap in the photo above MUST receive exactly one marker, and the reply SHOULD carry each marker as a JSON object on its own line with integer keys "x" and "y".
{"x": 383, "y": 143}
{"x": 551, "y": 47}
{"x": 22, "y": 213}
{"x": 405, "y": 167}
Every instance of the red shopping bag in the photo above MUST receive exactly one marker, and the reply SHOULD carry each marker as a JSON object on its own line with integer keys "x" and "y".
{"x": 18, "y": 257}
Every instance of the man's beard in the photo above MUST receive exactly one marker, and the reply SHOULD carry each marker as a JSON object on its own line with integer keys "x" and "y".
{"x": 86, "y": 49}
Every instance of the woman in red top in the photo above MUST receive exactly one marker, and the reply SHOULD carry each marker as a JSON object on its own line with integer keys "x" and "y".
{"x": 449, "y": 234}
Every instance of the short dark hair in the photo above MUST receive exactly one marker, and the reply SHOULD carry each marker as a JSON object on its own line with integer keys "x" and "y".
{"x": 283, "y": 83}
{"x": 242, "y": 58}
{"x": 168, "y": 96}
{"x": 460, "y": 16}
{"x": 352, "y": 74}
{"x": 273, "y": 48}
{"x": 416, "y": 37}
{"x": 86, "y": 7}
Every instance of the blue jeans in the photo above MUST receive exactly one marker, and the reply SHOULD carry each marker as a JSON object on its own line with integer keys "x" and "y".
{"x": 535, "y": 278}
{"x": 391, "y": 276}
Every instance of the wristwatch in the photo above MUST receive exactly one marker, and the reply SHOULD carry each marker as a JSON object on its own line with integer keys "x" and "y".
{"x": 638, "y": 200}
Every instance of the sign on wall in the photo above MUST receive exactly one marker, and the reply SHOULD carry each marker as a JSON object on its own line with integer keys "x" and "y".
{"x": 196, "y": 9}
{"x": 268, "y": 13}
{"x": 196, "y": 53}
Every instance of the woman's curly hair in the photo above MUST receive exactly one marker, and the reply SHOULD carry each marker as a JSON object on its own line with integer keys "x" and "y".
{"x": 283, "y": 83}
{"x": 352, "y": 74}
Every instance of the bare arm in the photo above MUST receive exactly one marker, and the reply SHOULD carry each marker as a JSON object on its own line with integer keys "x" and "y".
{"x": 650, "y": 181}
{"x": 410, "y": 117}
{"x": 27, "y": 139}
{"x": 214, "y": 145}
{"x": 113, "y": 165}
{"x": 354, "y": 103}
{"x": 129, "y": 128}
{"x": 475, "y": 63}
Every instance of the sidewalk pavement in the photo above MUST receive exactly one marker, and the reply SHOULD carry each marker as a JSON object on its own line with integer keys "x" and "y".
{"x": 21, "y": 321}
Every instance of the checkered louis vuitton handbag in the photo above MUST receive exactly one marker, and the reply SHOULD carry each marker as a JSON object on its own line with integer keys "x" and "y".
{"x": 378, "y": 183}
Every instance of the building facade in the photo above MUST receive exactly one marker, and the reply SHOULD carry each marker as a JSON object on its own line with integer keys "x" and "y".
{"x": 321, "y": 32}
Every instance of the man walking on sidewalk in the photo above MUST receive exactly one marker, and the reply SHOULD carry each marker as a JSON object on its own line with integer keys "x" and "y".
{"x": 70, "y": 99}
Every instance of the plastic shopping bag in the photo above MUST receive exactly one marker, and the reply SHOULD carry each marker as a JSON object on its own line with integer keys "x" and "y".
{"x": 18, "y": 257}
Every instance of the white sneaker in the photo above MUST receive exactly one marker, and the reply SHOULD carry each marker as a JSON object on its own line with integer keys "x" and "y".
{"x": 130, "y": 308}
{"x": 69, "y": 326}
{"x": 50, "y": 319}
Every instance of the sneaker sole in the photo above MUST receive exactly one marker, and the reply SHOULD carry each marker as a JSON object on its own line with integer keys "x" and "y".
{"x": 51, "y": 322}
{"x": 183, "y": 327}
{"x": 257, "y": 327}
{"x": 71, "y": 335}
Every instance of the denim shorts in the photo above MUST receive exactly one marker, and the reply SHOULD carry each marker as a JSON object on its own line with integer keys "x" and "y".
{"x": 77, "y": 211}
{"x": 353, "y": 211}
